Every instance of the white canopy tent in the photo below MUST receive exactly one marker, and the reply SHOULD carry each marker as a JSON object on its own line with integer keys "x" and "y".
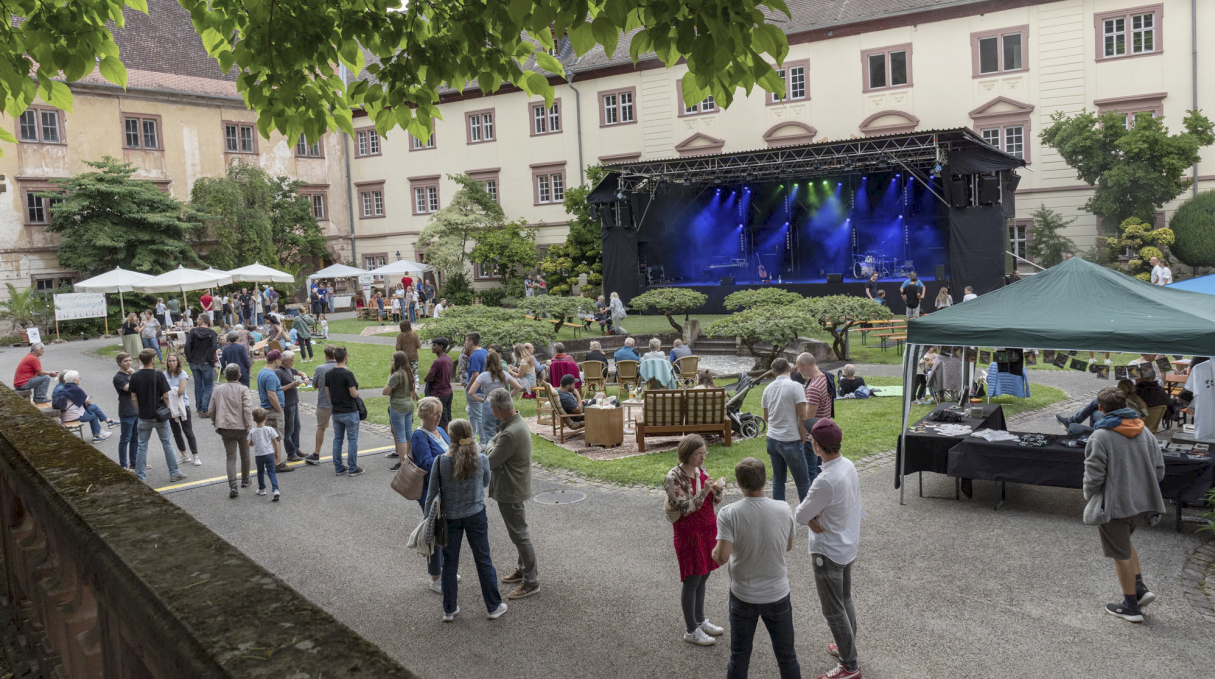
{"x": 338, "y": 271}
{"x": 119, "y": 280}
{"x": 260, "y": 273}
{"x": 400, "y": 268}
{"x": 183, "y": 280}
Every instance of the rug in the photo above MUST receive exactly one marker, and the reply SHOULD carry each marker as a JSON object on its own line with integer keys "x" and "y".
{"x": 575, "y": 442}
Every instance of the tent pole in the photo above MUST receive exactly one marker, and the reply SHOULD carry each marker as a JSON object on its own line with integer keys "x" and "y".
{"x": 122, "y": 307}
{"x": 909, "y": 362}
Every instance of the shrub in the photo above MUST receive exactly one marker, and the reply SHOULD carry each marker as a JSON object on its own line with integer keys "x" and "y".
{"x": 756, "y": 297}
{"x": 505, "y": 326}
{"x": 779, "y": 326}
{"x": 1193, "y": 228}
{"x": 457, "y": 290}
{"x": 837, "y": 313}
{"x": 492, "y": 296}
{"x": 669, "y": 301}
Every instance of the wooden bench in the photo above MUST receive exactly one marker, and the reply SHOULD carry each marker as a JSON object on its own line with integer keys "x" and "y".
{"x": 1174, "y": 384}
{"x": 899, "y": 334}
{"x": 878, "y": 326}
{"x": 77, "y": 425}
{"x": 677, "y": 411}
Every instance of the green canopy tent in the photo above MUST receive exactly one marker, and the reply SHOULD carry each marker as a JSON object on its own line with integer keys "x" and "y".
{"x": 1076, "y": 305}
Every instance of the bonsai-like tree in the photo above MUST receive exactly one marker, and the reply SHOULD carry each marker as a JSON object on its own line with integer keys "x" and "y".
{"x": 777, "y": 326}
{"x": 1145, "y": 242}
{"x": 838, "y": 313}
{"x": 505, "y": 326}
{"x": 757, "y": 297}
{"x": 1193, "y": 228}
{"x": 669, "y": 301}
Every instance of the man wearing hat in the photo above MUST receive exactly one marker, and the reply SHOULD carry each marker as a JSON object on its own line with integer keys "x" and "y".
{"x": 438, "y": 380}
{"x": 832, "y": 509}
{"x": 270, "y": 391}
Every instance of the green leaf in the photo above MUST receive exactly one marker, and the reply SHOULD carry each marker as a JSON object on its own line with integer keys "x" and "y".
{"x": 640, "y": 45}
{"x": 549, "y": 63}
{"x": 112, "y": 69}
{"x": 582, "y": 38}
{"x": 141, "y": 5}
{"x": 518, "y": 9}
{"x": 7, "y": 136}
{"x": 56, "y": 94}
{"x": 606, "y": 33}
{"x": 692, "y": 93}
{"x": 226, "y": 59}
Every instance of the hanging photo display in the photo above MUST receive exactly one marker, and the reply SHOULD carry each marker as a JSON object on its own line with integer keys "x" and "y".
{"x": 1103, "y": 372}
{"x": 1048, "y": 357}
{"x": 1165, "y": 366}
{"x": 1031, "y": 358}
{"x": 985, "y": 357}
{"x": 1060, "y": 360}
{"x": 1121, "y": 373}
{"x": 1078, "y": 364}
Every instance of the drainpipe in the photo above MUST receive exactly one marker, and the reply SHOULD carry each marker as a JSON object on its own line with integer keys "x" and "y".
{"x": 578, "y": 115}
{"x": 1194, "y": 70}
{"x": 354, "y": 258}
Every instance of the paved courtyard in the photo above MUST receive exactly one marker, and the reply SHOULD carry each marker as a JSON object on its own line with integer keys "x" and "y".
{"x": 942, "y": 587}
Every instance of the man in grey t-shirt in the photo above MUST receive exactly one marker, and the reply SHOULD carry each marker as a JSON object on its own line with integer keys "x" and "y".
{"x": 784, "y": 404}
{"x": 753, "y": 534}
{"x": 323, "y": 408}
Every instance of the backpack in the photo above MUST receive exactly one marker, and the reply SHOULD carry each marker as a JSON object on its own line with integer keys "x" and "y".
{"x": 863, "y": 392}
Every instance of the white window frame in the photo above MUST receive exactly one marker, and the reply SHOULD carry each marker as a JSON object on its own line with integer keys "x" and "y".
{"x": 797, "y": 76}
{"x": 318, "y": 206}
{"x": 1142, "y": 31}
{"x": 1018, "y": 239}
{"x": 1110, "y": 32}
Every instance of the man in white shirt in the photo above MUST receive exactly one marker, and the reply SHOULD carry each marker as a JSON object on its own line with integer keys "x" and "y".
{"x": 1201, "y": 383}
{"x": 970, "y": 294}
{"x": 753, "y": 534}
{"x": 1161, "y": 274}
{"x": 784, "y": 404}
{"x": 832, "y": 509}
{"x": 439, "y": 307}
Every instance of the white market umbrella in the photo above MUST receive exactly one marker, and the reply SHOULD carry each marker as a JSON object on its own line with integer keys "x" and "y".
{"x": 183, "y": 280}
{"x": 119, "y": 280}
{"x": 338, "y": 271}
{"x": 399, "y": 268}
{"x": 257, "y": 273}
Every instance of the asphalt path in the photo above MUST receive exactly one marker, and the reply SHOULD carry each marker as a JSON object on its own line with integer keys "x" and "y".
{"x": 942, "y": 587}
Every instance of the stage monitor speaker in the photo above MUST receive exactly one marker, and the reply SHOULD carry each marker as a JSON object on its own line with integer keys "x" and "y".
{"x": 727, "y": 280}
{"x": 940, "y": 272}
{"x": 835, "y": 278}
{"x": 989, "y": 189}
{"x": 959, "y": 193}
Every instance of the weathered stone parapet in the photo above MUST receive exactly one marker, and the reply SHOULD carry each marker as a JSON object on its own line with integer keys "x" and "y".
{"x": 110, "y": 580}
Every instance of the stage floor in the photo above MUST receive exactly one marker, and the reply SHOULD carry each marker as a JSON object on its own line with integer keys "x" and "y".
{"x": 786, "y": 281}
{"x": 808, "y": 287}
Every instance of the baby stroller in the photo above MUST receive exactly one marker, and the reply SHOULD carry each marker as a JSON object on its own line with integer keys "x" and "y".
{"x": 744, "y": 425}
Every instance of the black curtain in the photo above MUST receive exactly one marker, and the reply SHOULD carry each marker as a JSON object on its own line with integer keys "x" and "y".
{"x": 619, "y": 259}
{"x": 976, "y": 248}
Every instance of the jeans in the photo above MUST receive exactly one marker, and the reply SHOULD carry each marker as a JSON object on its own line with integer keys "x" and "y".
{"x": 402, "y": 425}
{"x": 413, "y": 313}
{"x": 345, "y": 425}
{"x": 330, "y": 301}
{"x": 291, "y": 429}
{"x": 127, "y": 442}
{"x": 265, "y": 465}
{"x": 788, "y": 456}
{"x": 813, "y": 464}
{"x": 184, "y": 427}
{"x": 475, "y": 417}
{"x": 39, "y": 384}
{"x": 477, "y": 528}
{"x": 261, "y": 318}
{"x": 204, "y": 383}
{"x": 93, "y": 415}
{"x": 834, "y": 583}
{"x": 152, "y": 343}
{"x": 778, "y": 618}
{"x": 144, "y": 428}
{"x": 489, "y": 423}
{"x": 236, "y": 441}
{"x": 515, "y": 518}
{"x": 445, "y": 418}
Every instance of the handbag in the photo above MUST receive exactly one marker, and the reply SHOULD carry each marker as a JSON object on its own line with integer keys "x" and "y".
{"x": 408, "y": 479}
{"x": 358, "y": 401}
{"x": 163, "y": 414}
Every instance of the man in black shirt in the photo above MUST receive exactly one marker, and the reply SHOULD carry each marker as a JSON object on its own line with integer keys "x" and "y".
{"x": 343, "y": 395}
{"x": 569, "y": 398}
{"x": 850, "y": 382}
{"x": 871, "y": 287}
{"x": 128, "y": 413}
{"x": 151, "y": 389}
{"x": 202, "y": 344}
{"x": 246, "y": 305}
{"x": 291, "y": 379}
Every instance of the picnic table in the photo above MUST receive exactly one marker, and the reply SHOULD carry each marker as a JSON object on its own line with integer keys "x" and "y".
{"x": 1174, "y": 383}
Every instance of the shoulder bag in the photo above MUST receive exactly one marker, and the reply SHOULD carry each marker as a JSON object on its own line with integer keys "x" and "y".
{"x": 408, "y": 479}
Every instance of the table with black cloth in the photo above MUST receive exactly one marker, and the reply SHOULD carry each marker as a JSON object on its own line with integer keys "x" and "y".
{"x": 928, "y": 451}
{"x": 1187, "y": 478}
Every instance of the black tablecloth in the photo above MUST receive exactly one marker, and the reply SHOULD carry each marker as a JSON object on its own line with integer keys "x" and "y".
{"x": 1186, "y": 478}
{"x": 928, "y": 451}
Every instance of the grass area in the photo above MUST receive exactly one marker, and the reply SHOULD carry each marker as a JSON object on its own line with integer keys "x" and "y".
{"x": 110, "y": 351}
{"x": 643, "y": 325}
{"x": 349, "y": 326}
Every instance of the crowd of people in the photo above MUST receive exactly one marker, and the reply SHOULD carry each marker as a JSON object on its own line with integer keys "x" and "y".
{"x": 410, "y": 300}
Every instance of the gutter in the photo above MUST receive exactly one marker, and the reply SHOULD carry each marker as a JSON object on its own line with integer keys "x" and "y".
{"x": 1194, "y": 72}
{"x": 578, "y": 119}
{"x": 354, "y": 258}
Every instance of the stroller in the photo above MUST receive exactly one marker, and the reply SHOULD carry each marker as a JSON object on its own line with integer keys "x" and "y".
{"x": 745, "y": 425}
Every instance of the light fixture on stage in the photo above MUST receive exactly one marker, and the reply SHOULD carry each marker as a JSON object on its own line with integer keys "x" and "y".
{"x": 848, "y": 163}
{"x": 883, "y": 162}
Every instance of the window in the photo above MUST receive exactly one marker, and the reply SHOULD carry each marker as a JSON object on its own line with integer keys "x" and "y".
{"x": 41, "y": 125}
{"x": 797, "y": 82}
{"x": 49, "y": 285}
{"x": 793, "y": 74}
{"x": 491, "y": 187}
{"x": 1129, "y": 32}
{"x": 545, "y": 120}
{"x": 887, "y": 67}
{"x": 318, "y": 206}
{"x": 487, "y": 271}
{"x": 373, "y": 203}
{"x": 367, "y": 142}
{"x": 305, "y": 150}
{"x": 999, "y": 51}
{"x": 550, "y": 186}
{"x": 1017, "y": 234}
{"x": 238, "y": 138}
{"x": 480, "y": 126}
{"x": 142, "y": 132}
{"x": 418, "y": 145}
{"x": 37, "y": 209}
{"x": 775, "y": 96}
{"x": 992, "y": 136}
{"x": 374, "y": 261}
{"x": 425, "y": 199}
{"x": 617, "y": 108}
{"x": 1010, "y": 139}
{"x": 1132, "y": 106}
{"x": 708, "y": 105}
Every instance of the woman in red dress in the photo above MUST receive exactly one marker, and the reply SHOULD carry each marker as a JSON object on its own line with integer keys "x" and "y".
{"x": 692, "y": 494}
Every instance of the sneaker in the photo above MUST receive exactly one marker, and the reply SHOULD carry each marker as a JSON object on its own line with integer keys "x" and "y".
{"x": 261, "y": 491}
{"x": 699, "y": 638}
{"x": 1109, "y": 362}
{"x": 1128, "y": 614}
{"x": 232, "y": 492}
{"x": 111, "y": 424}
{"x": 244, "y": 483}
{"x": 436, "y": 586}
{"x": 197, "y": 462}
{"x": 394, "y": 467}
{"x": 183, "y": 460}
{"x": 276, "y": 496}
{"x": 833, "y": 649}
{"x": 340, "y": 471}
{"x": 295, "y": 458}
{"x": 393, "y": 454}
{"x": 179, "y": 476}
{"x": 282, "y": 468}
{"x": 529, "y": 588}
{"x": 101, "y": 436}
{"x": 711, "y": 629}
{"x": 313, "y": 459}
{"x": 497, "y": 612}
{"x": 204, "y": 414}
{"x": 515, "y": 576}
{"x": 448, "y": 617}
{"x": 1092, "y": 360}
{"x": 1065, "y": 421}
{"x": 841, "y": 672}
{"x": 1146, "y": 598}
{"x": 356, "y": 471}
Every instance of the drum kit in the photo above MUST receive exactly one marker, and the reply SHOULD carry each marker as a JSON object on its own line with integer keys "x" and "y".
{"x": 870, "y": 263}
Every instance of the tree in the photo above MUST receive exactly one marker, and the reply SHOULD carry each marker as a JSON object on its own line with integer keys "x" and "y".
{"x": 506, "y": 248}
{"x": 108, "y": 219}
{"x": 1144, "y": 241}
{"x": 838, "y": 313}
{"x": 1048, "y": 246}
{"x": 552, "y": 306}
{"x": 451, "y": 230}
{"x": 582, "y": 251}
{"x": 294, "y": 228}
{"x": 757, "y": 297}
{"x": 507, "y": 327}
{"x": 778, "y": 326}
{"x": 1193, "y": 228}
{"x": 669, "y": 301}
{"x": 1134, "y": 171}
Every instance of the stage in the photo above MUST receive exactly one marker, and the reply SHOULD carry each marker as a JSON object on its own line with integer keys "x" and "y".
{"x": 812, "y": 287}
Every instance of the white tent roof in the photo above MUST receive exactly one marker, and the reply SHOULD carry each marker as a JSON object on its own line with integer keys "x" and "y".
{"x": 118, "y": 280}
{"x": 255, "y": 273}
{"x": 338, "y": 271}
{"x": 400, "y": 267}
{"x": 182, "y": 279}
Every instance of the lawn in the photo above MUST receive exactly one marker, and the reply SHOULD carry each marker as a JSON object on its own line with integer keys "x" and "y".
{"x": 644, "y": 325}
{"x": 349, "y": 326}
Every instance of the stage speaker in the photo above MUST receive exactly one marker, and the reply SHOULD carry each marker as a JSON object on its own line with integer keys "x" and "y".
{"x": 835, "y": 278}
{"x": 989, "y": 189}
{"x": 727, "y": 280}
{"x": 940, "y": 273}
{"x": 959, "y": 192}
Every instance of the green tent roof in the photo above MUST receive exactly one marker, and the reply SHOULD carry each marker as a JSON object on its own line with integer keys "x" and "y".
{"x": 1080, "y": 306}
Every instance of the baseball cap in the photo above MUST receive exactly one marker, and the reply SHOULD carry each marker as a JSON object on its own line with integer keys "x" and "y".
{"x": 824, "y": 431}
{"x": 273, "y": 355}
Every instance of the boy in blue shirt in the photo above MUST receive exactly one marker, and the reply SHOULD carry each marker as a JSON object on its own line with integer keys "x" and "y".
{"x": 476, "y": 366}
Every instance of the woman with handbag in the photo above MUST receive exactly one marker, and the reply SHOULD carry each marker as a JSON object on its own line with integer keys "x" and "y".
{"x": 400, "y": 391}
{"x": 460, "y": 476}
{"x": 427, "y": 443}
{"x": 691, "y": 496}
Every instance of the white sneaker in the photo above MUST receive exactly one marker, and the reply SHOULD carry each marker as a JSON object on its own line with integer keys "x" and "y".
{"x": 261, "y": 492}
{"x": 437, "y": 586}
{"x": 197, "y": 462}
{"x": 183, "y": 460}
{"x": 101, "y": 436}
{"x": 1109, "y": 362}
{"x": 497, "y": 612}
{"x": 711, "y": 629}
{"x": 699, "y": 638}
{"x": 448, "y": 617}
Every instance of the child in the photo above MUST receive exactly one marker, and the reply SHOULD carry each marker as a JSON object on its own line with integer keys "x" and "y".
{"x": 396, "y": 309}
{"x": 881, "y": 298}
{"x": 264, "y": 441}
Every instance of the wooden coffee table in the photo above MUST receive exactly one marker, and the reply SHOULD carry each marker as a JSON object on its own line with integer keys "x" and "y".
{"x": 604, "y": 426}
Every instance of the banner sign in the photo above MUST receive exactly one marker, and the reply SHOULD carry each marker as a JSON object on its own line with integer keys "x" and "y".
{"x": 76, "y": 305}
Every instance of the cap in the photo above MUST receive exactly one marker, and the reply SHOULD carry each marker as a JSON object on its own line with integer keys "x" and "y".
{"x": 273, "y": 355}
{"x": 824, "y": 431}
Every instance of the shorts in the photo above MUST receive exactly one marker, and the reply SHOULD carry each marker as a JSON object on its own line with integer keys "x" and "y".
{"x": 1116, "y": 536}
{"x": 276, "y": 420}
{"x": 322, "y": 417}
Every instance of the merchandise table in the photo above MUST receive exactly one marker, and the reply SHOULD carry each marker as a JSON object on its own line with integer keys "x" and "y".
{"x": 1187, "y": 478}
{"x": 928, "y": 451}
